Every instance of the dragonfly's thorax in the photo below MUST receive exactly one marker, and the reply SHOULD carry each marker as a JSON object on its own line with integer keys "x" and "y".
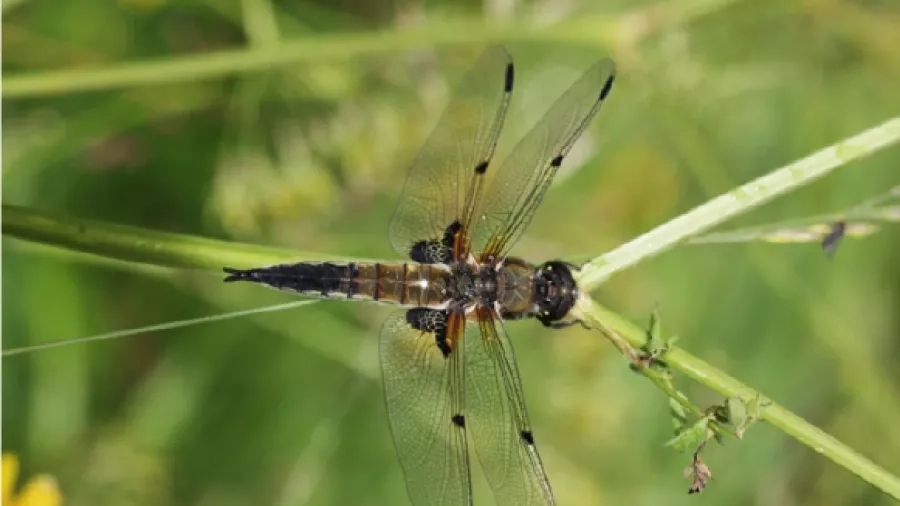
{"x": 469, "y": 284}
{"x": 514, "y": 288}
{"x": 508, "y": 285}
{"x": 461, "y": 284}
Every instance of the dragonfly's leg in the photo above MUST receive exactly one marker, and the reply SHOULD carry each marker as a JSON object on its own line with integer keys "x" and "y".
{"x": 637, "y": 358}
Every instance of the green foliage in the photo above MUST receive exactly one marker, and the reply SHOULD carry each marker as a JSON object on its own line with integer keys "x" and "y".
{"x": 691, "y": 436}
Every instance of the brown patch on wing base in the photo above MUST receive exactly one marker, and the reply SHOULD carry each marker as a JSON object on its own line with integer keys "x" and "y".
{"x": 456, "y": 329}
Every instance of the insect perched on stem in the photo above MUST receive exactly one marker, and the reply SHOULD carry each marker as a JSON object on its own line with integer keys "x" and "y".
{"x": 448, "y": 364}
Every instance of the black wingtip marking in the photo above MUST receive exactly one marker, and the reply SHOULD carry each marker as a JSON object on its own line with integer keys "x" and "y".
{"x": 510, "y": 75}
{"x": 481, "y": 168}
{"x": 557, "y": 161}
{"x": 607, "y": 87}
{"x": 237, "y": 275}
{"x": 527, "y": 436}
{"x": 459, "y": 421}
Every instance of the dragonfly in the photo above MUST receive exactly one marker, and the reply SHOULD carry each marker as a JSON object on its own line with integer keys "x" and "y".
{"x": 448, "y": 366}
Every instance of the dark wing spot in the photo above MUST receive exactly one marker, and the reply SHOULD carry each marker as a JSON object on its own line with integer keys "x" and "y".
{"x": 441, "y": 341}
{"x": 557, "y": 161}
{"x": 481, "y": 168}
{"x": 459, "y": 421}
{"x": 426, "y": 320}
{"x": 510, "y": 73}
{"x": 452, "y": 229}
{"x": 607, "y": 87}
{"x": 427, "y": 252}
{"x": 438, "y": 251}
{"x": 527, "y": 436}
{"x": 431, "y": 321}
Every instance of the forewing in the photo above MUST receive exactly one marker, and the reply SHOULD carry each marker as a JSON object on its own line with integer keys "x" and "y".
{"x": 523, "y": 178}
{"x": 424, "y": 393}
{"x": 461, "y": 144}
{"x": 498, "y": 418}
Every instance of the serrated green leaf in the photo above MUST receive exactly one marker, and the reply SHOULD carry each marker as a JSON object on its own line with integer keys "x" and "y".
{"x": 679, "y": 415}
{"x": 692, "y": 437}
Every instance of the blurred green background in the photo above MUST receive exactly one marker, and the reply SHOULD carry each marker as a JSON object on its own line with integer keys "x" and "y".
{"x": 286, "y": 408}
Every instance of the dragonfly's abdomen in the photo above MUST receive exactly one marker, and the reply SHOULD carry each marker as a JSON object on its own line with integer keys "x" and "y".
{"x": 409, "y": 284}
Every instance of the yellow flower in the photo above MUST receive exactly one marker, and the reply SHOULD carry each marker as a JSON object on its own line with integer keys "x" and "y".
{"x": 39, "y": 491}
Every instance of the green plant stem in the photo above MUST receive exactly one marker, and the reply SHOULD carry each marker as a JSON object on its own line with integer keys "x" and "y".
{"x": 590, "y": 31}
{"x": 321, "y": 48}
{"x": 133, "y": 244}
{"x": 738, "y": 201}
{"x": 777, "y": 415}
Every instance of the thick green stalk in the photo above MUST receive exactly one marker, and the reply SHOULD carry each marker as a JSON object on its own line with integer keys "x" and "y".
{"x": 790, "y": 423}
{"x": 133, "y": 244}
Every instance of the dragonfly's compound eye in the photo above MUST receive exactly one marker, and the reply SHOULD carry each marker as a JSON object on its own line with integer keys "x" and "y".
{"x": 555, "y": 292}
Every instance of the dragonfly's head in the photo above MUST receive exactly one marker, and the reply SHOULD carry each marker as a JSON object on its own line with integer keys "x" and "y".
{"x": 555, "y": 292}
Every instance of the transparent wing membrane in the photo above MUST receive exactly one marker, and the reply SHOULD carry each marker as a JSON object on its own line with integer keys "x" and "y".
{"x": 522, "y": 180}
{"x": 433, "y": 401}
{"x": 463, "y": 141}
{"x": 498, "y": 418}
{"x": 446, "y": 373}
{"x": 424, "y": 391}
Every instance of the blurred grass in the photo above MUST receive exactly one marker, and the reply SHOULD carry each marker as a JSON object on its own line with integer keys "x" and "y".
{"x": 308, "y": 153}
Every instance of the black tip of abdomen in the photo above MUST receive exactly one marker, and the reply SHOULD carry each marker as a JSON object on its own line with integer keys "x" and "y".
{"x": 238, "y": 274}
{"x": 321, "y": 278}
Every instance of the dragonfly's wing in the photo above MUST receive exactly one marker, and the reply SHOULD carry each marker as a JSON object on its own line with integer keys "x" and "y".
{"x": 523, "y": 178}
{"x": 449, "y": 168}
{"x": 498, "y": 417}
{"x": 424, "y": 393}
